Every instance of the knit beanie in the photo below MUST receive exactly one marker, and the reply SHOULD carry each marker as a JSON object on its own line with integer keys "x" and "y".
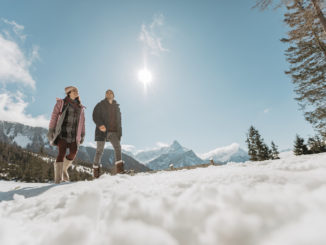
{"x": 69, "y": 89}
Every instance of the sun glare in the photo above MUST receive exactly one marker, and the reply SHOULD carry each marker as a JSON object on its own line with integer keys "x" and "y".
{"x": 145, "y": 76}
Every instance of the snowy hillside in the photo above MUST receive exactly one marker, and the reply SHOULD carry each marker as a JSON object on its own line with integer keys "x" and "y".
{"x": 230, "y": 153}
{"x": 280, "y": 202}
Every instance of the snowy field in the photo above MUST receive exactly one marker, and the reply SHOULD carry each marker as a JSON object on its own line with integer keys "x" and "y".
{"x": 268, "y": 203}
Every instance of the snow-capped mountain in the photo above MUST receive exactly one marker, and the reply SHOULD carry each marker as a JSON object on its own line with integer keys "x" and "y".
{"x": 180, "y": 156}
{"x": 34, "y": 138}
{"x": 230, "y": 153}
{"x": 23, "y": 135}
{"x": 161, "y": 158}
{"x": 178, "y": 159}
{"x": 146, "y": 156}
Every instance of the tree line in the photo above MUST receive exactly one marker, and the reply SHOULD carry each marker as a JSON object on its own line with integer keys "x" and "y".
{"x": 306, "y": 56}
{"x": 258, "y": 150}
{"x": 18, "y": 164}
{"x": 314, "y": 145}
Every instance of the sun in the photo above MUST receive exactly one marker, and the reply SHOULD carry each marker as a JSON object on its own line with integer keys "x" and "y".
{"x": 145, "y": 76}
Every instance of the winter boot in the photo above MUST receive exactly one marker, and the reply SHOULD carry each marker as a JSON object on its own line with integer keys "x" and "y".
{"x": 119, "y": 169}
{"x": 96, "y": 171}
{"x": 58, "y": 167}
{"x": 66, "y": 164}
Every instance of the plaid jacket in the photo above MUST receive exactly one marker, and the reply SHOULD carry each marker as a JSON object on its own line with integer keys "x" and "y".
{"x": 70, "y": 123}
{"x": 57, "y": 118}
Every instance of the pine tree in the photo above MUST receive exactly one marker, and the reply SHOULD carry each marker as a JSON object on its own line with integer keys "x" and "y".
{"x": 257, "y": 149}
{"x": 274, "y": 151}
{"x": 316, "y": 144}
{"x": 307, "y": 58}
{"x": 252, "y": 151}
{"x": 306, "y": 55}
{"x": 262, "y": 148}
{"x": 300, "y": 148}
{"x": 317, "y": 12}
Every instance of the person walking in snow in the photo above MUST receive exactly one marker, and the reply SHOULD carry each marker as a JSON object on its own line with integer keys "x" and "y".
{"x": 66, "y": 130}
{"x": 107, "y": 117}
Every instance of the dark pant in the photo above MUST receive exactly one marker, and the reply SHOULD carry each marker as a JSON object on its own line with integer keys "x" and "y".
{"x": 62, "y": 147}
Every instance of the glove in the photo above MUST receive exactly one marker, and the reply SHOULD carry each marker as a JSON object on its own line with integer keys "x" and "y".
{"x": 50, "y": 134}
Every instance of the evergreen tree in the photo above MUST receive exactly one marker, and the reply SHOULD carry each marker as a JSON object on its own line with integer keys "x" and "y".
{"x": 257, "y": 149}
{"x": 274, "y": 151}
{"x": 317, "y": 13}
{"x": 252, "y": 151}
{"x": 316, "y": 144}
{"x": 307, "y": 57}
{"x": 300, "y": 147}
{"x": 262, "y": 148}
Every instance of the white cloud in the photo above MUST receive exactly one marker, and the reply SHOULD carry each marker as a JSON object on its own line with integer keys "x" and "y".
{"x": 14, "y": 64}
{"x": 267, "y": 110}
{"x": 221, "y": 151}
{"x": 13, "y": 109}
{"x": 14, "y": 69}
{"x": 17, "y": 29}
{"x": 130, "y": 148}
{"x": 150, "y": 37}
{"x": 162, "y": 144}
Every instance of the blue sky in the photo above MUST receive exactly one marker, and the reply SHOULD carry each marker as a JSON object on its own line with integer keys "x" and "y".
{"x": 217, "y": 66}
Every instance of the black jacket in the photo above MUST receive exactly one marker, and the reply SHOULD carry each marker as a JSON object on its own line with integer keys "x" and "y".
{"x": 101, "y": 117}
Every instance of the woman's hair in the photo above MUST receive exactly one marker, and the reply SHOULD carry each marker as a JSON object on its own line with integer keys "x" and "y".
{"x": 78, "y": 99}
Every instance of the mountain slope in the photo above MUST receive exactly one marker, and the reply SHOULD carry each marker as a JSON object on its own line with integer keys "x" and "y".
{"x": 176, "y": 154}
{"x": 21, "y": 165}
{"x": 35, "y": 139}
{"x": 178, "y": 160}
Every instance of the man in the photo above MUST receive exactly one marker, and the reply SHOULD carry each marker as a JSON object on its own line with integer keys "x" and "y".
{"x": 107, "y": 117}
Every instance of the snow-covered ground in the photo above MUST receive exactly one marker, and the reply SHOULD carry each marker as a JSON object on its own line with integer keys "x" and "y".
{"x": 266, "y": 203}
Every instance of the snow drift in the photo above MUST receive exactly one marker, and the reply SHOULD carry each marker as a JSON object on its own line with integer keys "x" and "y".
{"x": 266, "y": 203}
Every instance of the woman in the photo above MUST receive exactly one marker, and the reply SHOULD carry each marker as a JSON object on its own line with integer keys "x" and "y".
{"x": 66, "y": 130}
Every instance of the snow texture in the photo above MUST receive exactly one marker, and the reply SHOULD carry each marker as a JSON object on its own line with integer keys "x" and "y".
{"x": 266, "y": 203}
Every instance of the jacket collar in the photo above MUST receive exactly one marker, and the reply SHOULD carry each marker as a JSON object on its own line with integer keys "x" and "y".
{"x": 62, "y": 101}
{"x": 114, "y": 102}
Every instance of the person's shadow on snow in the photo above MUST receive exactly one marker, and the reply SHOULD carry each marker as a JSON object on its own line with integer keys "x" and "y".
{"x": 27, "y": 192}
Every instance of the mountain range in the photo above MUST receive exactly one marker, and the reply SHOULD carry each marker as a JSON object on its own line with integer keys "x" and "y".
{"x": 34, "y": 139}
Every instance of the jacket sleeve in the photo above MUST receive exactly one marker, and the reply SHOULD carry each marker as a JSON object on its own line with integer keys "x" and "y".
{"x": 55, "y": 116}
{"x": 97, "y": 117}
{"x": 83, "y": 127}
{"x": 119, "y": 121}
